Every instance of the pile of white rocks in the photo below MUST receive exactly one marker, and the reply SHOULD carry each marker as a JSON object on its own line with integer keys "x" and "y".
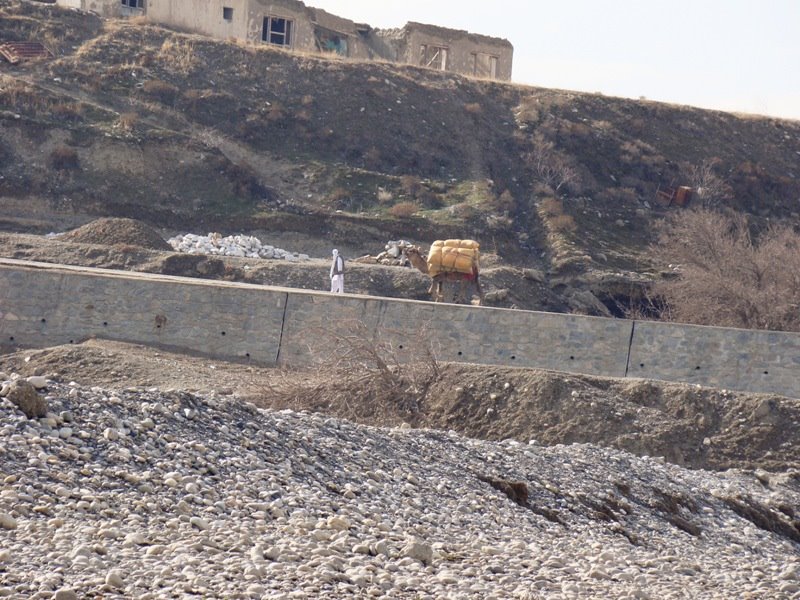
{"x": 244, "y": 246}
{"x": 142, "y": 493}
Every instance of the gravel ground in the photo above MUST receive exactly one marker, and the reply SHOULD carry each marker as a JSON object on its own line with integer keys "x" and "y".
{"x": 141, "y": 493}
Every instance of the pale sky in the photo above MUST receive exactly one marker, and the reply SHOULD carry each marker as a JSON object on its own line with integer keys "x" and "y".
{"x": 733, "y": 55}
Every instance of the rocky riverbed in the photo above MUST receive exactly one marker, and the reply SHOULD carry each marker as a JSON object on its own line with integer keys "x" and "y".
{"x": 146, "y": 493}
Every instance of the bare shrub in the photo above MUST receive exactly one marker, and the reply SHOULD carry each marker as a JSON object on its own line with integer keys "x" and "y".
{"x": 552, "y": 207}
{"x": 550, "y": 166}
{"x": 179, "y": 55}
{"x": 21, "y": 96}
{"x": 728, "y": 276}
{"x": 392, "y": 373}
{"x": 276, "y": 113}
{"x": 710, "y": 189}
{"x": 528, "y": 111}
{"x": 127, "y": 121}
{"x": 563, "y": 223}
{"x": 473, "y": 108}
{"x": 505, "y": 203}
{"x": 372, "y": 158}
{"x": 384, "y": 196}
{"x": 618, "y": 195}
{"x": 161, "y": 90}
{"x": 411, "y": 185}
{"x": 303, "y": 115}
{"x": 338, "y": 197}
{"x": 403, "y": 210}
{"x": 64, "y": 158}
{"x": 67, "y": 111}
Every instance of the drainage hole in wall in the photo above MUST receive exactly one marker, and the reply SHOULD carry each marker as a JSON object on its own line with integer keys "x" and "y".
{"x": 158, "y": 326}
{"x": 223, "y": 333}
{"x": 641, "y": 365}
{"x": 766, "y": 372}
{"x": 247, "y": 354}
{"x": 44, "y": 320}
{"x": 11, "y": 339}
{"x": 513, "y": 357}
{"x": 72, "y": 341}
{"x": 460, "y": 353}
{"x": 572, "y": 358}
{"x": 697, "y": 368}
{"x": 400, "y": 346}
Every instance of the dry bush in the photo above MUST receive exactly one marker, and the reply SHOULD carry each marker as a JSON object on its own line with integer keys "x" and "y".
{"x": 505, "y": 203}
{"x": 618, "y": 195}
{"x": 411, "y": 185}
{"x": 392, "y": 374}
{"x": 562, "y": 223}
{"x": 549, "y": 166}
{"x": 178, "y": 55}
{"x": 528, "y": 111}
{"x": 404, "y": 210}
{"x": 473, "y": 108}
{"x": 384, "y": 196}
{"x": 18, "y": 95}
{"x": 710, "y": 189}
{"x": 64, "y": 158}
{"x": 727, "y": 276}
{"x": 552, "y": 207}
{"x": 303, "y": 115}
{"x": 160, "y": 90}
{"x": 67, "y": 111}
{"x": 275, "y": 113}
{"x": 338, "y": 197}
{"x": 373, "y": 158}
{"x": 127, "y": 121}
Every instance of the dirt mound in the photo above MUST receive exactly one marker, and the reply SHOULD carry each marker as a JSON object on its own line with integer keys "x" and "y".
{"x": 686, "y": 424}
{"x": 113, "y": 231}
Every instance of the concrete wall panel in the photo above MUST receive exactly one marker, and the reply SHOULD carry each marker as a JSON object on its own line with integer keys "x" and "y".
{"x": 43, "y": 305}
{"x": 738, "y": 359}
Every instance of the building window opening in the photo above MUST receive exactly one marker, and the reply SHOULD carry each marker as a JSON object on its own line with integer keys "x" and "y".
{"x": 484, "y": 65}
{"x": 331, "y": 42}
{"x": 433, "y": 57}
{"x": 227, "y": 13}
{"x": 277, "y": 31}
{"x": 133, "y": 3}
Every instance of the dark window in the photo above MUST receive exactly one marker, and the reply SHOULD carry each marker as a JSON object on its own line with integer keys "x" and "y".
{"x": 277, "y": 31}
{"x": 434, "y": 57}
{"x": 227, "y": 13}
{"x": 133, "y": 3}
{"x": 484, "y": 65}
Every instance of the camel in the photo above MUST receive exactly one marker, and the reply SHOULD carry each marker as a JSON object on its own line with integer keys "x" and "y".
{"x": 438, "y": 282}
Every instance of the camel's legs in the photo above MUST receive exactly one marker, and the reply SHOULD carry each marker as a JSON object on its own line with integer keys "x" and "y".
{"x": 436, "y": 291}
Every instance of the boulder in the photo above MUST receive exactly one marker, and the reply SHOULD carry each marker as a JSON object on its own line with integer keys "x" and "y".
{"x": 27, "y": 399}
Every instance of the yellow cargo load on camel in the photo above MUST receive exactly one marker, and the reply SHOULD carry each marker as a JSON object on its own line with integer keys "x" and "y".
{"x": 454, "y": 256}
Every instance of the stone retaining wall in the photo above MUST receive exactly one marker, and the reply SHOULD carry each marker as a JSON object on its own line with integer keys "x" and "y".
{"x": 43, "y": 305}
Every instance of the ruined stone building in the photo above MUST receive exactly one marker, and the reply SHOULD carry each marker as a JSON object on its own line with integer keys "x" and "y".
{"x": 293, "y": 25}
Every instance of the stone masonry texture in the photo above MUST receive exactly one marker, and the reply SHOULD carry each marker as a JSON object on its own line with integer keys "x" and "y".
{"x": 43, "y": 305}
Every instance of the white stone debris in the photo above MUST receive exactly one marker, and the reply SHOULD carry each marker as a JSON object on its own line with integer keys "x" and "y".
{"x": 244, "y": 246}
{"x": 205, "y": 496}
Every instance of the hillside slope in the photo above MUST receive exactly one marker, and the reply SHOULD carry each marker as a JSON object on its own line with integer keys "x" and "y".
{"x": 186, "y": 133}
